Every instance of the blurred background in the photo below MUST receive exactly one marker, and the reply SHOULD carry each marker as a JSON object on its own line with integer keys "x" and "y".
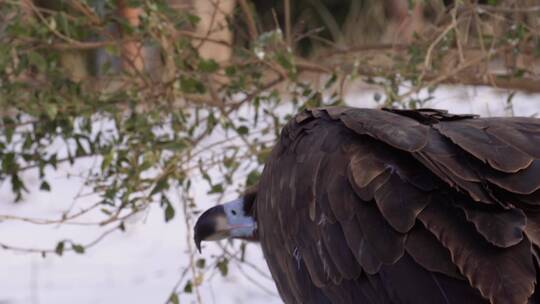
{"x": 122, "y": 120}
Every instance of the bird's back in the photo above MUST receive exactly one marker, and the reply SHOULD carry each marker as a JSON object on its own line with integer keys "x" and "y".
{"x": 372, "y": 206}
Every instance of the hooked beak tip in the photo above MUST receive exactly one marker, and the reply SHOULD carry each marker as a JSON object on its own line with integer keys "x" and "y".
{"x": 206, "y": 225}
{"x": 198, "y": 245}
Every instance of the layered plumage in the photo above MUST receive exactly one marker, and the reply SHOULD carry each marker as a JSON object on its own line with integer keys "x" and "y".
{"x": 371, "y": 206}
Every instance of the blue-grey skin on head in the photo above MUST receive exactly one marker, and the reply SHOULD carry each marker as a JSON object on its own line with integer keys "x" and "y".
{"x": 230, "y": 220}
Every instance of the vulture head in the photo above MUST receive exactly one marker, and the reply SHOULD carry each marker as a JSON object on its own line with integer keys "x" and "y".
{"x": 235, "y": 219}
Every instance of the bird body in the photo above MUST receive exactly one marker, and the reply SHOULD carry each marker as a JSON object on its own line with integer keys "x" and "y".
{"x": 400, "y": 206}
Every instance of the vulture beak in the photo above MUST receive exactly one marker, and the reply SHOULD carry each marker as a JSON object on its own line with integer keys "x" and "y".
{"x": 225, "y": 221}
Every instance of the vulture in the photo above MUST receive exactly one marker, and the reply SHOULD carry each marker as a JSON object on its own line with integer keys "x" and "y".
{"x": 395, "y": 206}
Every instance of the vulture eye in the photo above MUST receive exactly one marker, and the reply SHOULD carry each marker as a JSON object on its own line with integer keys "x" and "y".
{"x": 233, "y": 212}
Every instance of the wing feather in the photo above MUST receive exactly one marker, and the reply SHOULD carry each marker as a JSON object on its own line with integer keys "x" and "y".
{"x": 427, "y": 251}
{"x": 471, "y": 135}
{"x": 360, "y": 205}
{"x": 386, "y": 243}
{"x": 500, "y": 227}
{"x": 363, "y": 252}
{"x": 502, "y": 275}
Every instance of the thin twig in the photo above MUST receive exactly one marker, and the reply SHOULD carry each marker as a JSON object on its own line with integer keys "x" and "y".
{"x": 493, "y": 8}
{"x": 48, "y": 250}
{"x": 288, "y": 31}
{"x": 252, "y": 29}
{"x": 189, "y": 241}
{"x": 66, "y": 219}
{"x": 427, "y": 59}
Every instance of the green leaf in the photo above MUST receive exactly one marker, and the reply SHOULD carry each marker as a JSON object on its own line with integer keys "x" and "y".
{"x": 252, "y": 178}
{"x": 200, "y": 263}
{"x": 27, "y": 144}
{"x": 191, "y": 85}
{"x": 80, "y": 151}
{"x": 242, "y": 130}
{"x": 177, "y": 145}
{"x": 78, "y": 248}
{"x": 107, "y": 159}
{"x": 52, "y": 110}
{"x": 189, "y": 287}
{"x": 5, "y": 57}
{"x": 161, "y": 185}
{"x": 263, "y": 155}
{"x": 134, "y": 3}
{"x": 229, "y": 162}
{"x": 193, "y": 19}
{"x": 45, "y": 186}
{"x": 243, "y": 252}
{"x": 9, "y": 128}
{"x": 112, "y": 50}
{"x": 173, "y": 299}
{"x": 17, "y": 186}
{"x": 331, "y": 81}
{"x": 37, "y": 60}
{"x": 217, "y": 188}
{"x": 169, "y": 212}
{"x": 230, "y": 71}
{"x": 223, "y": 267}
{"x": 286, "y": 60}
{"x": 53, "y": 160}
{"x": 59, "y": 248}
{"x": 208, "y": 66}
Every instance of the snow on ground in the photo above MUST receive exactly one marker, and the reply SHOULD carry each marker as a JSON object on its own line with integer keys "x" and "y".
{"x": 144, "y": 263}
{"x": 139, "y": 266}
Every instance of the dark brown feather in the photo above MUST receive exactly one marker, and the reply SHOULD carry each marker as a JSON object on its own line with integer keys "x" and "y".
{"x": 500, "y": 227}
{"x": 525, "y": 181}
{"x": 343, "y": 258}
{"x": 400, "y": 203}
{"x": 532, "y": 229}
{"x": 427, "y": 251}
{"x": 370, "y": 206}
{"x": 522, "y": 137}
{"x": 472, "y": 137}
{"x": 501, "y": 275}
{"x": 398, "y": 131}
{"x": 364, "y": 253}
{"x": 386, "y": 243}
